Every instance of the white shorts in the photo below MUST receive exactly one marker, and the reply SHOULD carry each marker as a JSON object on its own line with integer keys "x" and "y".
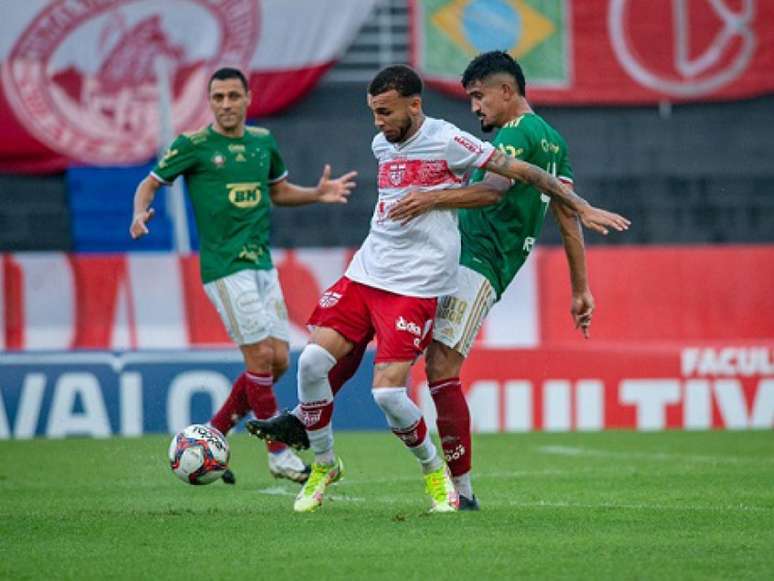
{"x": 251, "y": 305}
{"x": 459, "y": 316}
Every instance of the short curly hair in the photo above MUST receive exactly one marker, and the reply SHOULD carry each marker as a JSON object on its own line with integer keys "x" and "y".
{"x": 401, "y": 78}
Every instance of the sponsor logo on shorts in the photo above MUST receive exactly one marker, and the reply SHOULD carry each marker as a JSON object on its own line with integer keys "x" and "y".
{"x": 452, "y": 309}
{"x": 402, "y": 324}
{"x": 248, "y": 302}
{"x": 329, "y": 299}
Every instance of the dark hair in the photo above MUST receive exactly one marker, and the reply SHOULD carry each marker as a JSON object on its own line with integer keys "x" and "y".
{"x": 228, "y": 73}
{"x": 492, "y": 63}
{"x": 400, "y": 78}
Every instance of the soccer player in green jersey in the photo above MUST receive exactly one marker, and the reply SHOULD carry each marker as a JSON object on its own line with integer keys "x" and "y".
{"x": 405, "y": 142}
{"x": 234, "y": 174}
{"x": 496, "y": 241}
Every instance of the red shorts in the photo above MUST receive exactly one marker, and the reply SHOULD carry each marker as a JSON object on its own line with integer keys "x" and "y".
{"x": 401, "y": 324}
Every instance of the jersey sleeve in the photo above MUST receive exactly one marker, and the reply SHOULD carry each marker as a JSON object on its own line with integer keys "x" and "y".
{"x": 465, "y": 152}
{"x": 277, "y": 171}
{"x": 564, "y": 169}
{"x": 177, "y": 160}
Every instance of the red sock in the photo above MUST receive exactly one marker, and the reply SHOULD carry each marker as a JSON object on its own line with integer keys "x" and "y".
{"x": 233, "y": 409}
{"x": 260, "y": 396}
{"x": 346, "y": 367}
{"x": 453, "y": 424}
{"x": 414, "y": 435}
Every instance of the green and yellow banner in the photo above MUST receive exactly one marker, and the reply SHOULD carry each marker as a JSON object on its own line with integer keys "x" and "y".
{"x": 449, "y": 33}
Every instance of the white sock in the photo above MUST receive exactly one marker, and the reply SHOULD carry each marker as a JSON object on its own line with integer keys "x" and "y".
{"x": 406, "y": 421}
{"x": 428, "y": 456}
{"x": 327, "y": 458}
{"x": 316, "y": 397}
{"x": 463, "y": 485}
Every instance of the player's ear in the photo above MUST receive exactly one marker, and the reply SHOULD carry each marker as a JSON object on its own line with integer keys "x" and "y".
{"x": 415, "y": 104}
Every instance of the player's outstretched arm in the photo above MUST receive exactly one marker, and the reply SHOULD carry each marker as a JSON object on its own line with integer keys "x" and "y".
{"x": 572, "y": 237}
{"x": 487, "y": 192}
{"x": 143, "y": 213}
{"x": 593, "y": 218}
{"x": 328, "y": 191}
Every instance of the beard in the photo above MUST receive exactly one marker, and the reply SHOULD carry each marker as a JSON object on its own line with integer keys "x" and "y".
{"x": 402, "y": 132}
{"x": 486, "y": 128}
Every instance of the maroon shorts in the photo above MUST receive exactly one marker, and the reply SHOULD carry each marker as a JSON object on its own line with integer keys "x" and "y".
{"x": 401, "y": 324}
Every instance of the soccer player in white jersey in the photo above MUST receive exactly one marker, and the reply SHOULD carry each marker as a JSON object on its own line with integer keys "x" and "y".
{"x": 391, "y": 287}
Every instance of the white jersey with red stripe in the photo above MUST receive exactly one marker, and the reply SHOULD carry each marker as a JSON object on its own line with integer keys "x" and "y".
{"x": 420, "y": 258}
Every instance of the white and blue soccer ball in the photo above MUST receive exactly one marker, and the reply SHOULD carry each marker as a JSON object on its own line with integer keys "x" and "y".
{"x": 199, "y": 454}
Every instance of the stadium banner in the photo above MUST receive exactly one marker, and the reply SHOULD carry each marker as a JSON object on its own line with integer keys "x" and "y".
{"x": 694, "y": 388}
{"x": 722, "y": 386}
{"x": 146, "y": 301}
{"x": 102, "y": 394}
{"x": 595, "y": 52}
{"x": 80, "y": 77}
{"x": 57, "y": 301}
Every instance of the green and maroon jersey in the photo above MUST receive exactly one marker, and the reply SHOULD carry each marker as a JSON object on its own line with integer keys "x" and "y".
{"x": 228, "y": 180}
{"x": 497, "y": 239}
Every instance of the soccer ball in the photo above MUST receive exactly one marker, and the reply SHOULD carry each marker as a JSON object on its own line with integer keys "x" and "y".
{"x": 199, "y": 454}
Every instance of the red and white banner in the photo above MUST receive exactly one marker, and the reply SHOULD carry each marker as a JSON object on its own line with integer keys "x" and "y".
{"x": 683, "y": 337}
{"x": 55, "y": 301}
{"x": 728, "y": 385}
{"x": 646, "y": 297}
{"x": 79, "y": 77}
{"x": 605, "y": 51}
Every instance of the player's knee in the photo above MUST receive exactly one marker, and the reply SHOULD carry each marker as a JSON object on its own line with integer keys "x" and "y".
{"x": 390, "y": 399}
{"x": 314, "y": 364}
{"x": 280, "y": 365}
{"x": 440, "y": 362}
{"x": 259, "y": 357}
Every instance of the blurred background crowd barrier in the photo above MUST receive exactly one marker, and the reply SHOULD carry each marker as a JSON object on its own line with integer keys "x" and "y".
{"x": 666, "y": 106}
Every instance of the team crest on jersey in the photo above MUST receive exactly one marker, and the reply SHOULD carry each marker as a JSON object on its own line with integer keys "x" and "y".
{"x": 107, "y": 113}
{"x": 329, "y": 299}
{"x": 396, "y": 171}
{"x": 218, "y": 160}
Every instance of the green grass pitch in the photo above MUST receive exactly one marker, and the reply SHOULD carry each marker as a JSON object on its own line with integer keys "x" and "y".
{"x": 612, "y": 505}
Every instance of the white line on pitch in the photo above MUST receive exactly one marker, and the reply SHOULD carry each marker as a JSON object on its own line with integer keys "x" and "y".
{"x": 639, "y": 506}
{"x": 579, "y": 451}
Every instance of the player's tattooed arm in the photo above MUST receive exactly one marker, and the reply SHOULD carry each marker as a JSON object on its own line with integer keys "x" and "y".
{"x": 143, "y": 213}
{"x": 488, "y": 191}
{"x": 593, "y": 218}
